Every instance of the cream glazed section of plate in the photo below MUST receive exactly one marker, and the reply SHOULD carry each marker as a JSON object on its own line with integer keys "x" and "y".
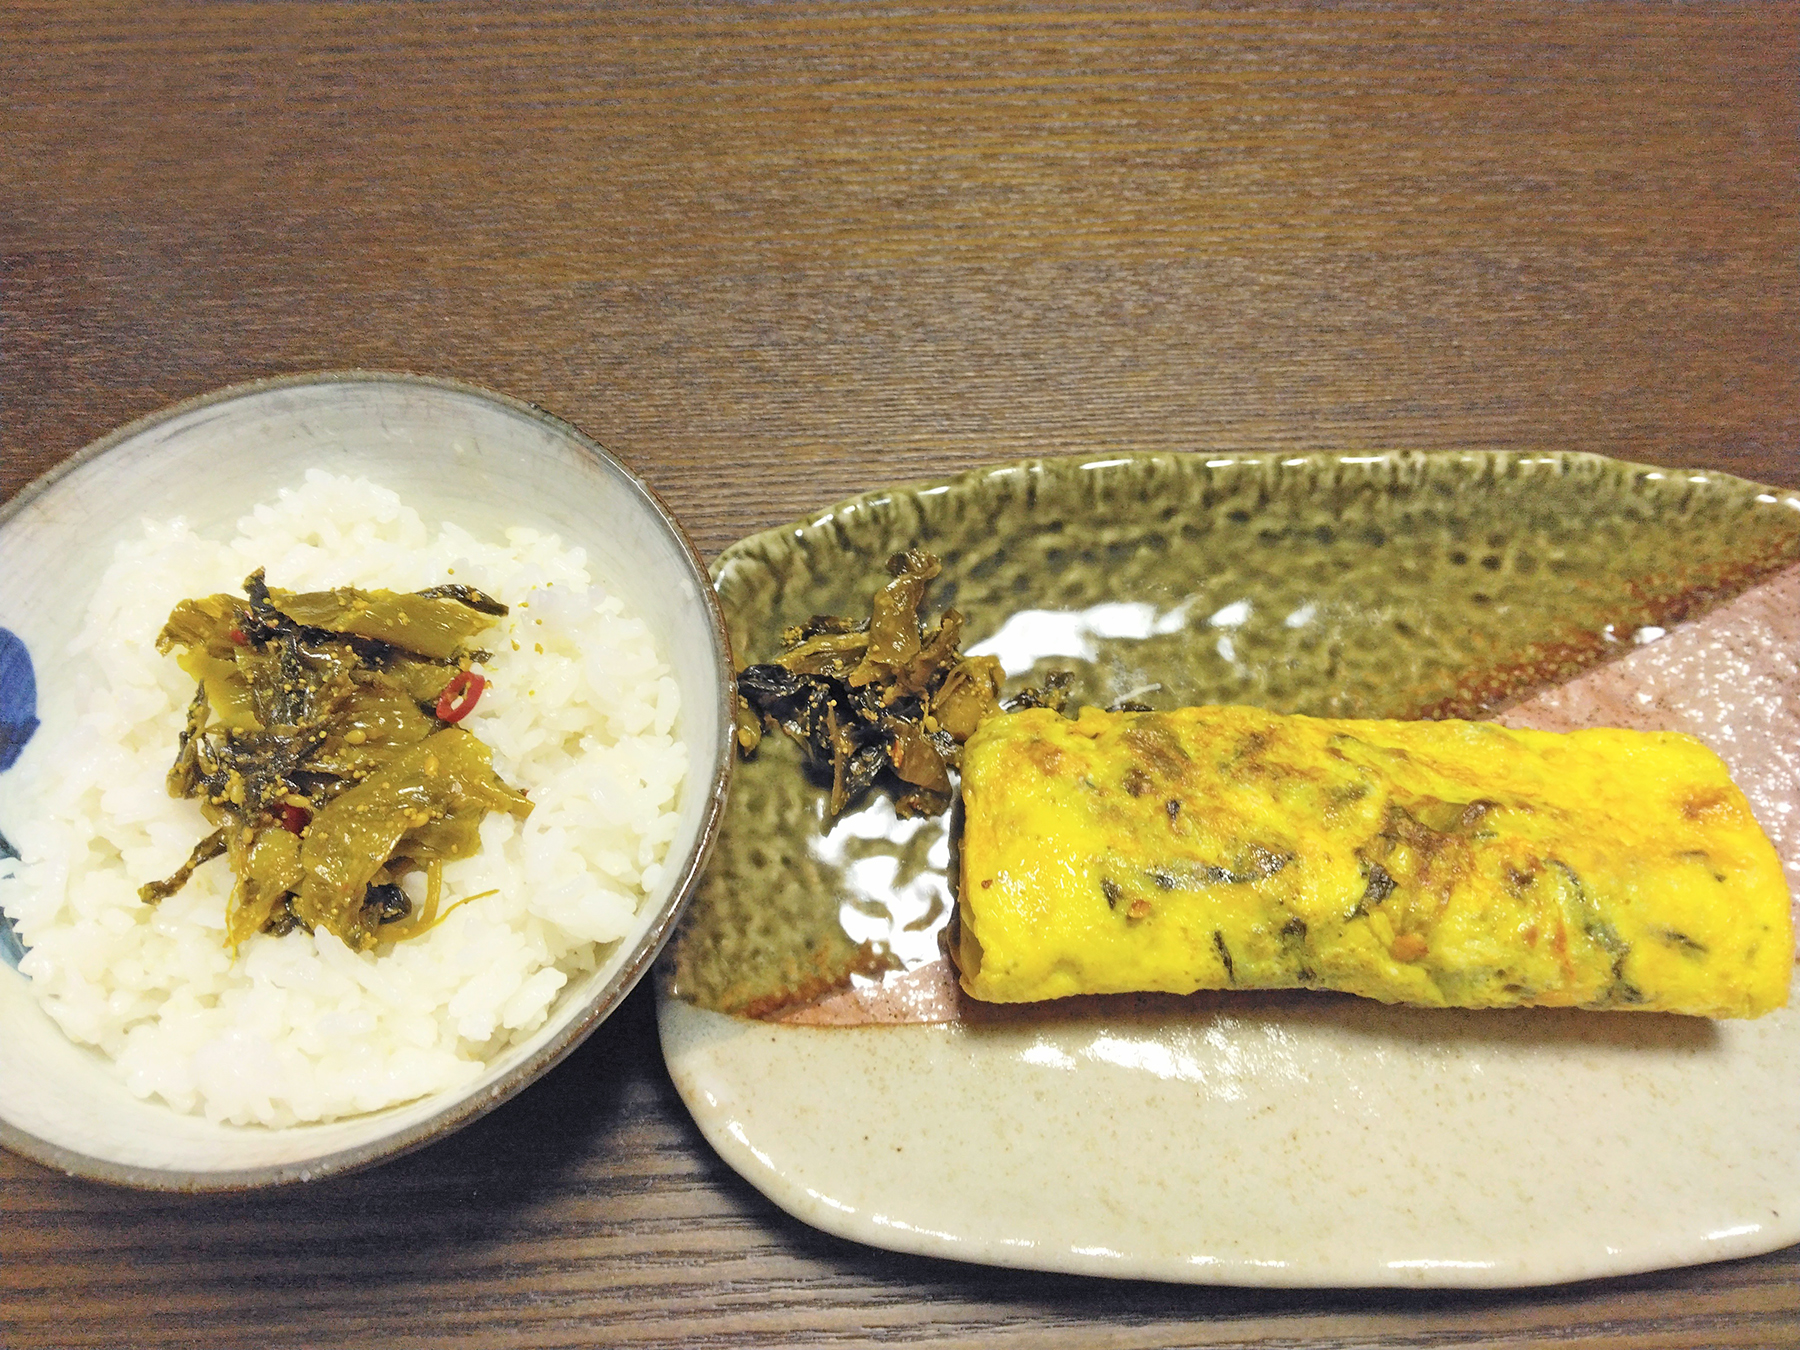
{"x": 1279, "y": 1141}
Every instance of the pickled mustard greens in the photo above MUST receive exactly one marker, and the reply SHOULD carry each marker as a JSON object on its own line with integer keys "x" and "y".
{"x": 881, "y": 700}
{"x": 321, "y": 743}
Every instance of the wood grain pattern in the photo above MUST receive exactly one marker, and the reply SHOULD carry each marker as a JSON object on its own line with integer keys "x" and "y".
{"x": 775, "y": 254}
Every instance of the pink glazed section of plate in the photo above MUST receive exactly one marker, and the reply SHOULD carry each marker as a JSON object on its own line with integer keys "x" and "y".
{"x": 1731, "y": 678}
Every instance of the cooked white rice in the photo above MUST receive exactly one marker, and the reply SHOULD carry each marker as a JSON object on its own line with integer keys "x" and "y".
{"x": 579, "y": 711}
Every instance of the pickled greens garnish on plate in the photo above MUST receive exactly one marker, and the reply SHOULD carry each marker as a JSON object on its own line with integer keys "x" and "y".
{"x": 321, "y": 743}
{"x": 883, "y": 700}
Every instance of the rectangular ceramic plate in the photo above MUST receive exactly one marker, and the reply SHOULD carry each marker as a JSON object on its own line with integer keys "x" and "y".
{"x": 1277, "y": 1139}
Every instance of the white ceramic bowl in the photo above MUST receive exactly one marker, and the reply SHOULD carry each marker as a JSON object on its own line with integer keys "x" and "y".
{"x": 454, "y": 453}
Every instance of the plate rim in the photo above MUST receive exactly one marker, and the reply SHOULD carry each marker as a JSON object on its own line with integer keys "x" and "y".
{"x": 1266, "y": 459}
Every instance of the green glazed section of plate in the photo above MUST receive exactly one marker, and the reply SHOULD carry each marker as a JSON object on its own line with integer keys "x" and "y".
{"x": 1366, "y": 586}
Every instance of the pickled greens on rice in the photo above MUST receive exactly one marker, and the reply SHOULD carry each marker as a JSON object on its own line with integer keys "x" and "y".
{"x": 321, "y": 745}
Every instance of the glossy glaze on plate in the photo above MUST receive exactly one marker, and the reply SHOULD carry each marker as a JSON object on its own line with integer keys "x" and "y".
{"x": 1310, "y": 1140}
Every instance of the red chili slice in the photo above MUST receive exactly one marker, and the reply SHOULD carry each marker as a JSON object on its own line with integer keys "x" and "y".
{"x": 460, "y": 696}
{"x": 293, "y": 818}
{"x": 237, "y": 636}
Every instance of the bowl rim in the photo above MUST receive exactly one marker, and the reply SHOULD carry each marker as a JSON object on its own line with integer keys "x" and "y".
{"x": 470, "y": 1105}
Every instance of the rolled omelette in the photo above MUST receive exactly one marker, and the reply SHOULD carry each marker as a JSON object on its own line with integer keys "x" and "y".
{"x": 1446, "y": 864}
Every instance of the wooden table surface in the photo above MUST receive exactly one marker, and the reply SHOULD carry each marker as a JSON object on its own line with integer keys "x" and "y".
{"x": 773, "y": 254}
